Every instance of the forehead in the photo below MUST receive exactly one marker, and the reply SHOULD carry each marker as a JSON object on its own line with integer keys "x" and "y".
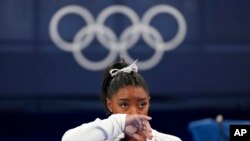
{"x": 131, "y": 92}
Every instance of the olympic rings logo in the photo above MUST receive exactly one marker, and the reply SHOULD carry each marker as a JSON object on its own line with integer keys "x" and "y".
{"x": 108, "y": 39}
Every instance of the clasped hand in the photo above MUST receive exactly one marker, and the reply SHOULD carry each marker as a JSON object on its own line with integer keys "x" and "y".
{"x": 138, "y": 124}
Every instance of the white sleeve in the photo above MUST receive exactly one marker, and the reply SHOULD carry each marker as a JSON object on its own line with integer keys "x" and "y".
{"x": 98, "y": 130}
{"x": 165, "y": 137}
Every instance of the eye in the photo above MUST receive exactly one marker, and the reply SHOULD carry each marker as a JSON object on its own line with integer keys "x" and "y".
{"x": 142, "y": 105}
{"x": 124, "y": 105}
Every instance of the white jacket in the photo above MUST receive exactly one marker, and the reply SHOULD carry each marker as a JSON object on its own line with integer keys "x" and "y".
{"x": 110, "y": 129}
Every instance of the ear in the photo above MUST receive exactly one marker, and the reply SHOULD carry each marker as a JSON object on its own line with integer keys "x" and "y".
{"x": 109, "y": 104}
{"x": 149, "y": 98}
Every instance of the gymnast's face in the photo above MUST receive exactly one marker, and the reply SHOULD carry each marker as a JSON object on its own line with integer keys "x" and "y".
{"x": 129, "y": 100}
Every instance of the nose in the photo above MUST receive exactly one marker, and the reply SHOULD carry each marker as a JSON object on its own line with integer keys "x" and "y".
{"x": 133, "y": 110}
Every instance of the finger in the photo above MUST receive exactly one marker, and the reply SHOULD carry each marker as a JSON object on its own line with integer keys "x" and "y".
{"x": 148, "y": 130}
{"x": 144, "y": 127}
{"x": 148, "y": 126}
{"x": 136, "y": 121}
{"x": 130, "y": 130}
{"x": 140, "y": 124}
{"x": 144, "y": 117}
{"x": 137, "y": 137}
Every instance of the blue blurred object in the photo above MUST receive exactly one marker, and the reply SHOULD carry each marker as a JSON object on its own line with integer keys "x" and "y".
{"x": 212, "y": 130}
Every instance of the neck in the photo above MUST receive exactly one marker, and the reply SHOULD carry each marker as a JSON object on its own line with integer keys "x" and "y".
{"x": 127, "y": 138}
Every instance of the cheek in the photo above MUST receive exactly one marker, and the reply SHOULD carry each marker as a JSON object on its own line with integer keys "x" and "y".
{"x": 145, "y": 110}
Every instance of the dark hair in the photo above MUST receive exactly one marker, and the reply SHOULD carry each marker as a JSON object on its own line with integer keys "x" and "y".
{"x": 112, "y": 85}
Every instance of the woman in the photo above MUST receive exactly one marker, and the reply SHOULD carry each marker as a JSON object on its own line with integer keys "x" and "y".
{"x": 126, "y": 98}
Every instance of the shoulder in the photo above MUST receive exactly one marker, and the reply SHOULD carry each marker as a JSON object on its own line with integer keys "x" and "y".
{"x": 164, "y": 137}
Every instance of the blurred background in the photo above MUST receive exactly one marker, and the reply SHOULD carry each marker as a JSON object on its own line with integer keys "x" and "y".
{"x": 53, "y": 52}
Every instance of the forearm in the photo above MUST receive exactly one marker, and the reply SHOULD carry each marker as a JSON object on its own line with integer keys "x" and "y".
{"x": 97, "y": 130}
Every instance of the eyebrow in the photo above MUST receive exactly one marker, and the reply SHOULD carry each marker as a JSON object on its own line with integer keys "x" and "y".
{"x": 138, "y": 99}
